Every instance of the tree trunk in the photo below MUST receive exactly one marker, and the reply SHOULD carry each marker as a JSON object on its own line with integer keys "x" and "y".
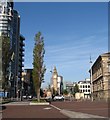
{"x": 38, "y": 95}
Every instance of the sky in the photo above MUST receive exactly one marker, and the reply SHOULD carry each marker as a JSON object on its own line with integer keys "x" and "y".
{"x": 72, "y": 33}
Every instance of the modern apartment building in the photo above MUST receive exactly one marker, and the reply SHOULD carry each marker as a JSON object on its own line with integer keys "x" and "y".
{"x": 101, "y": 77}
{"x": 6, "y": 17}
{"x": 28, "y": 86}
{"x": 10, "y": 27}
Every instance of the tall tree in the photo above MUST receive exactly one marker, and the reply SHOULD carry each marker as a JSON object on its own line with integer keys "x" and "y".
{"x": 76, "y": 89}
{"x": 6, "y": 58}
{"x": 38, "y": 63}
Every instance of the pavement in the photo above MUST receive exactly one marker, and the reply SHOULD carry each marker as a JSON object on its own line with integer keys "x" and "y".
{"x": 28, "y": 111}
{"x": 64, "y": 110}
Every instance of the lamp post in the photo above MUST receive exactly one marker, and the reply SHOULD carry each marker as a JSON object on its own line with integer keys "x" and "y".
{"x": 22, "y": 84}
{"x": 51, "y": 83}
{"x": 91, "y": 79}
{"x": 22, "y": 79}
{"x": 17, "y": 88}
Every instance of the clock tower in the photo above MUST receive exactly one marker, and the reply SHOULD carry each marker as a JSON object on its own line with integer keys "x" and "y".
{"x": 54, "y": 79}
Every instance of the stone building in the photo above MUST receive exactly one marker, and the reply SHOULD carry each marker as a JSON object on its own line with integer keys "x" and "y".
{"x": 101, "y": 77}
{"x": 56, "y": 82}
{"x": 85, "y": 87}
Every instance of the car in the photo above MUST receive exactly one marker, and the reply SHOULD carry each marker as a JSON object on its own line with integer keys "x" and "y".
{"x": 48, "y": 98}
{"x": 30, "y": 96}
{"x": 59, "y": 97}
{"x": 24, "y": 96}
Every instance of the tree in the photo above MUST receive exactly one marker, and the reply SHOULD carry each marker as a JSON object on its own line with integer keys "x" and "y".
{"x": 38, "y": 63}
{"x": 6, "y": 59}
{"x": 65, "y": 92}
{"x": 76, "y": 89}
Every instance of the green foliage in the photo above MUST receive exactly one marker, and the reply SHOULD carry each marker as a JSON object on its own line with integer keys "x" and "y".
{"x": 38, "y": 63}
{"x": 6, "y": 55}
{"x": 65, "y": 92}
{"x": 76, "y": 88}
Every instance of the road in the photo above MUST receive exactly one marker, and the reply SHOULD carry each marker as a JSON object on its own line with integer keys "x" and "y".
{"x": 28, "y": 111}
{"x": 62, "y": 110}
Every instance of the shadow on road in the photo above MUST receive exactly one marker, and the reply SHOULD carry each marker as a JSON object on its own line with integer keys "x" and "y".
{"x": 3, "y": 107}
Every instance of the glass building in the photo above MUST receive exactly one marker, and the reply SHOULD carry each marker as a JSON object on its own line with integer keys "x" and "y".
{"x": 10, "y": 27}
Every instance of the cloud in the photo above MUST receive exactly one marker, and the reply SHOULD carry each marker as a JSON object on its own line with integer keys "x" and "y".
{"x": 75, "y": 52}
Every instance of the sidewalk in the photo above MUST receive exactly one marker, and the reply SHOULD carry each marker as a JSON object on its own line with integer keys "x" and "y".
{"x": 72, "y": 114}
{"x": 17, "y": 103}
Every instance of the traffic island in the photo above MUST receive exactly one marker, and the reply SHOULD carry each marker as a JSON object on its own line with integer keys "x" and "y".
{"x": 38, "y": 103}
{"x": 41, "y": 102}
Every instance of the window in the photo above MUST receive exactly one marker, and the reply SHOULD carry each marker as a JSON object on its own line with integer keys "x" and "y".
{"x": 88, "y": 90}
{"x": 88, "y": 86}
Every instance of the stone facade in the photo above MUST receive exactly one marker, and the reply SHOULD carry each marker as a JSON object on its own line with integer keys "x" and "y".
{"x": 101, "y": 77}
{"x": 54, "y": 79}
{"x": 57, "y": 83}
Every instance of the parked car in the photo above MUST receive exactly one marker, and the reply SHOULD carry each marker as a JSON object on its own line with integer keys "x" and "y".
{"x": 30, "y": 97}
{"x": 24, "y": 97}
{"x": 59, "y": 97}
{"x": 48, "y": 98}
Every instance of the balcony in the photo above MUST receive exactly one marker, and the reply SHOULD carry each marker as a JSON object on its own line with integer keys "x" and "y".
{"x": 22, "y": 43}
{"x": 21, "y": 54}
{"x": 22, "y": 49}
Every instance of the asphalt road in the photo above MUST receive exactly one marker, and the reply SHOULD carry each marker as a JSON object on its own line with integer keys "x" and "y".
{"x": 27, "y": 111}
{"x": 55, "y": 110}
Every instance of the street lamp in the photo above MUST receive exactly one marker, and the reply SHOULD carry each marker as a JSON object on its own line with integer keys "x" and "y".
{"x": 17, "y": 87}
{"x": 51, "y": 83}
{"x": 22, "y": 81}
{"x": 91, "y": 79}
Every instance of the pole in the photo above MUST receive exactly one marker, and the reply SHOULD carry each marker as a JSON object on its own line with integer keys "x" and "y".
{"x": 17, "y": 87}
{"x": 51, "y": 83}
{"x": 91, "y": 79}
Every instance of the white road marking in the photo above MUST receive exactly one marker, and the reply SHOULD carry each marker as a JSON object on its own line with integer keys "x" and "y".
{"x": 55, "y": 107}
{"x": 48, "y": 108}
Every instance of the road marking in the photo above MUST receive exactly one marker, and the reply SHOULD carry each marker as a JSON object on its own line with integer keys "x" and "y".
{"x": 48, "y": 108}
{"x": 55, "y": 107}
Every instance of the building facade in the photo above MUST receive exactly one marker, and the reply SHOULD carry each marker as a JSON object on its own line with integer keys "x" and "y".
{"x": 10, "y": 27}
{"x": 101, "y": 77}
{"x": 60, "y": 85}
{"x": 85, "y": 87}
{"x": 28, "y": 86}
{"x": 56, "y": 83}
{"x": 70, "y": 87}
